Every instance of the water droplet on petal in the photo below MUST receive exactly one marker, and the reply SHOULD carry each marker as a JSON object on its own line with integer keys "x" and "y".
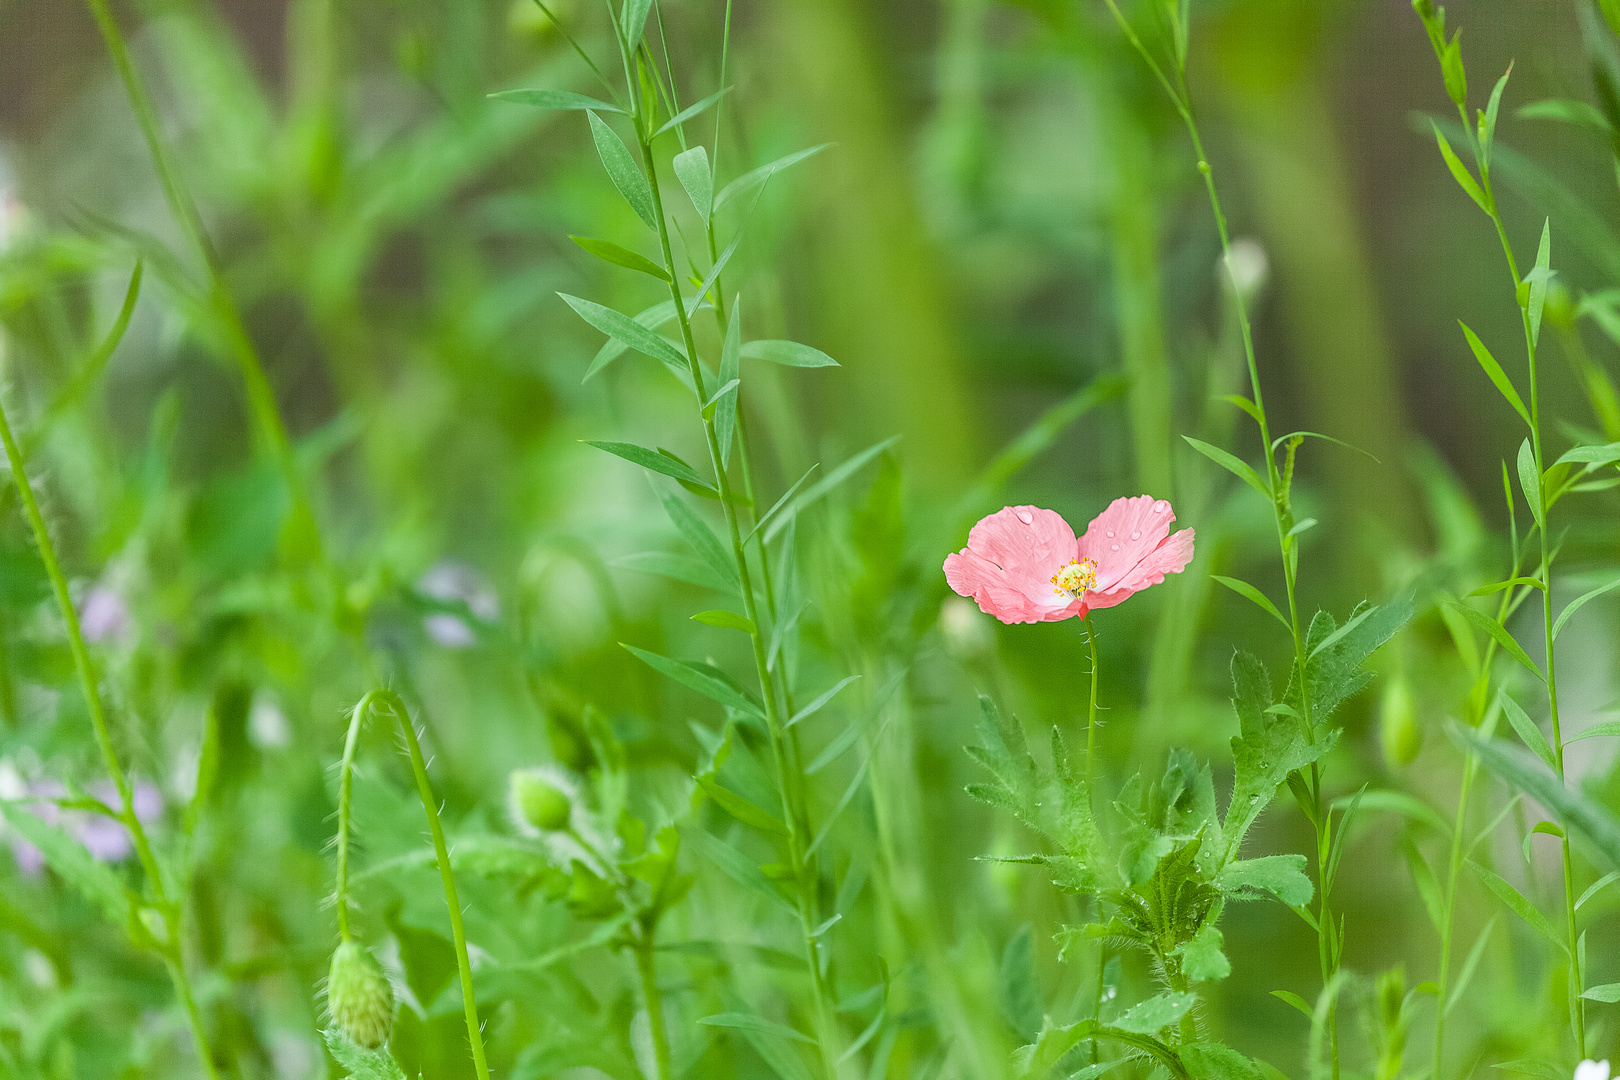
{"x": 1160, "y": 507}
{"x": 1137, "y": 535}
{"x": 1110, "y": 534}
{"x": 1115, "y": 547}
{"x": 1026, "y": 517}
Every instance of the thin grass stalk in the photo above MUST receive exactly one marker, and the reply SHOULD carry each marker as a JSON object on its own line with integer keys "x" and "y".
{"x": 170, "y": 947}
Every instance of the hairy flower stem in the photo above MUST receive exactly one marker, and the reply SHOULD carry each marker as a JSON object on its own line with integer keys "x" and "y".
{"x": 1522, "y": 289}
{"x": 1329, "y": 948}
{"x": 388, "y": 701}
{"x": 1091, "y": 798}
{"x": 801, "y": 862}
{"x": 168, "y": 908}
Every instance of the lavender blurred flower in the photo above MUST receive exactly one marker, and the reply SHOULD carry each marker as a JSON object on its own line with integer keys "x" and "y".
{"x": 452, "y": 582}
{"x": 106, "y": 840}
{"x": 103, "y": 615}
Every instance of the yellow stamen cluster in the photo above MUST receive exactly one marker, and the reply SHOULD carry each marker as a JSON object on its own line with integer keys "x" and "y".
{"x": 1075, "y": 578}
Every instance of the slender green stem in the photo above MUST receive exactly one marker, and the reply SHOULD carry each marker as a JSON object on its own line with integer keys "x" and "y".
{"x": 85, "y": 667}
{"x": 387, "y": 699}
{"x": 345, "y": 789}
{"x": 653, "y": 999}
{"x": 1091, "y": 798}
{"x": 800, "y": 861}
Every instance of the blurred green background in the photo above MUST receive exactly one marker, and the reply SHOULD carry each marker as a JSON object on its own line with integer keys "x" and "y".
{"x": 1008, "y": 214}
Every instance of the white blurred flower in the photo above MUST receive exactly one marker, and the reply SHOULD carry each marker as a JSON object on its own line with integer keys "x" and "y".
{"x": 966, "y": 629}
{"x": 1592, "y": 1070}
{"x": 452, "y": 582}
{"x": 268, "y": 728}
{"x": 1248, "y": 267}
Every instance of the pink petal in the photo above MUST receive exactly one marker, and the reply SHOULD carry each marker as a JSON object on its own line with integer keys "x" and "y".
{"x": 1170, "y": 557}
{"x": 1008, "y": 565}
{"x": 1123, "y": 535}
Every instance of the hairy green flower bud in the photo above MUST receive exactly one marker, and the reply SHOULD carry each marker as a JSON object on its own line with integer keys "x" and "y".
{"x": 360, "y": 997}
{"x": 539, "y": 802}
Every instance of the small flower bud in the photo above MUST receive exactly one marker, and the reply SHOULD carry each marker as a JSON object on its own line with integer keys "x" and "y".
{"x": 360, "y": 997}
{"x": 1397, "y": 723}
{"x": 538, "y": 802}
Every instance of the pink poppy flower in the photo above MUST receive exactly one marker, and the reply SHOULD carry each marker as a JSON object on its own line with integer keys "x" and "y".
{"x": 1023, "y": 564}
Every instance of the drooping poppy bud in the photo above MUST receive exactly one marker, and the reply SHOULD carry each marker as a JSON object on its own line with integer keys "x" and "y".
{"x": 360, "y": 997}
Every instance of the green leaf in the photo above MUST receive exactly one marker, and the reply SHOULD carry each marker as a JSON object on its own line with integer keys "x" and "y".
{"x": 1493, "y": 370}
{"x": 613, "y": 348}
{"x": 1499, "y": 632}
{"x": 1249, "y": 592}
{"x": 1469, "y": 965}
{"x": 1538, "y": 279}
{"x": 740, "y": 808}
{"x": 702, "y": 540}
{"x": 1530, "y": 776}
{"x": 624, "y": 329}
{"x": 623, "y": 171}
{"x": 1296, "y": 1001}
{"x": 734, "y": 864}
{"x": 816, "y": 705}
{"x": 1201, "y": 957}
{"x": 1539, "y": 1069}
{"x": 70, "y": 859}
{"x": 708, "y": 681}
{"x": 1608, "y": 993}
{"x": 677, "y": 567}
{"x": 1516, "y": 902}
{"x": 728, "y": 619}
{"x": 725, "y": 412}
{"x": 1459, "y": 172}
{"x": 1236, "y": 466}
{"x": 1243, "y": 403}
{"x": 1532, "y": 736}
{"x": 652, "y": 461}
{"x": 1270, "y": 746}
{"x": 1156, "y": 1013}
{"x": 360, "y": 1063}
{"x": 1488, "y": 121}
{"x": 1510, "y": 583}
{"x": 756, "y": 177}
{"x": 1596, "y": 887}
{"x": 1283, "y": 876}
{"x": 1407, "y": 805}
{"x": 608, "y": 251}
{"x": 1592, "y": 456}
{"x": 692, "y": 170}
{"x": 827, "y": 484}
{"x": 635, "y": 21}
{"x": 1423, "y": 878}
{"x": 1451, "y": 67}
{"x": 1530, "y": 482}
{"x": 556, "y": 99}
{"x": 751, "y": 1022}
{"x": 1214, "y": 1061}
{"x": 1565, "y": 110}
{"x": 788, "y": 354}
{"x": 1604, "y": 730}
{"x": 1580, "y": 602}
{"x": 682, "y": 117}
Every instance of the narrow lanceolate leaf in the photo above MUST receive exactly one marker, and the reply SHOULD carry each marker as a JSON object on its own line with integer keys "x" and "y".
{"x": 652, "y": 461}
{"x": 728, "y": 619}
{"x": 1234, "y": 465}
{"x": 1493, "y": 370}
{"x": 1580, "y": 602}
{"x": 1528, "y": 732}
{"x": 623, "y": 170}
{"x": 750, "y": 1022}
{"x": 692, "y": 170}
{"x": 740, "y": 808}
{"x": 748, "y": 181}
{"x": 1467, "y": 973}
{"x": 622, "y": 328}
{"x": 1538, "y": 280}
{"x": 1487, "y": 122}
{"x": 788, "y": 354}
{"x": 725, "y": 410}
{"x": 1609, "y": 730}
{"x": 1249, "y": 592}
{"x": 1579, "y": 113}
{"x": 556, "y": 99}
{"x": 71, "y": 860}
{"x": 1530, "y": 481}
{"x": 613, "y": 348}
{"x": 1503, "y": 638}
{"x": 816, "y": 705}
{"x": 1608, "y": 992}
{"x": 687, "y": 113}
{"x": 700, "y": 677}
{"x": 702, "y": 540}
{"x": 1156, "y": 1013}
{"x": 827, "y": 484}
{"x": 1516, "y": 902}
{"x": 1533, "y": 778}
{"x": 635, "y": 20}
{"x": 676, "y": 567}
{"x": 608, "y": 251}
{"x": 1459, "y": 171}
{"x": 1592, "y": 456}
